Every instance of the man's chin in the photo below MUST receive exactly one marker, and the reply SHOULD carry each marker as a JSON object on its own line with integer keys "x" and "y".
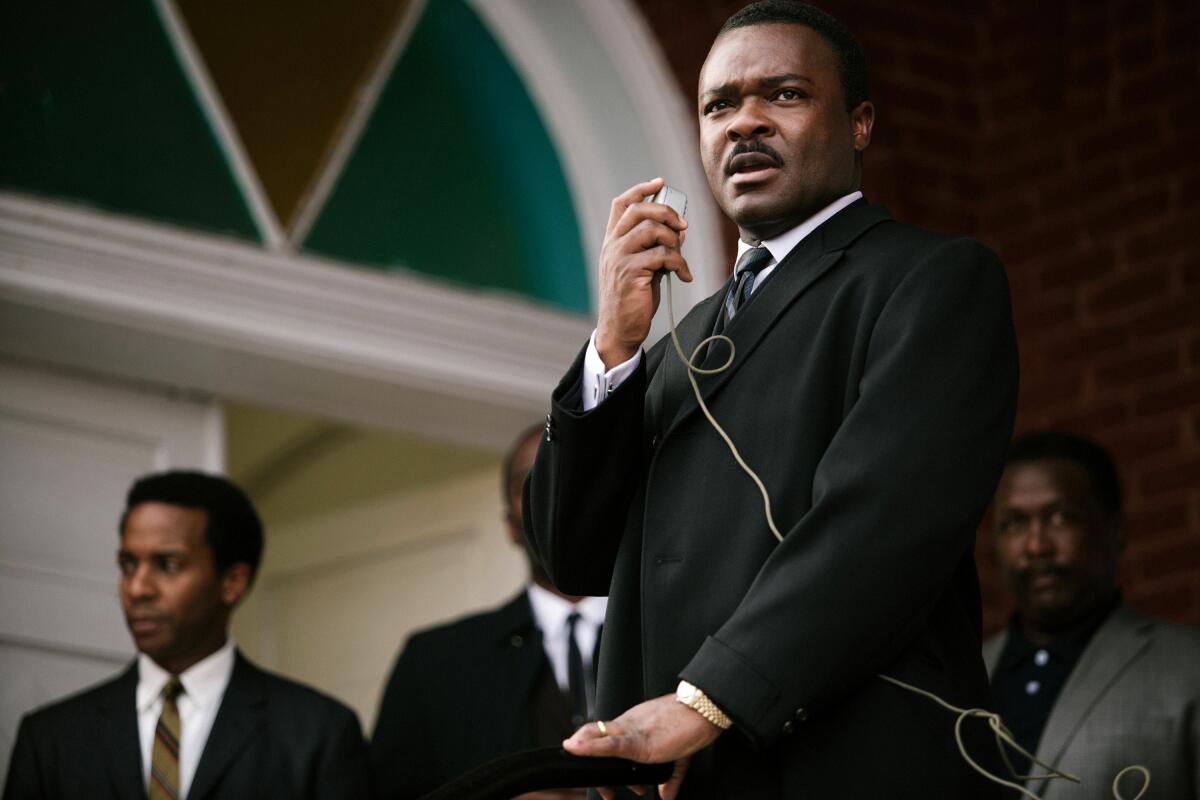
{"x": 759, "y": 216}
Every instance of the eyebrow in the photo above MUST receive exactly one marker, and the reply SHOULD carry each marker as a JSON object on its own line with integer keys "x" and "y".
{"x": 770, "y": 82}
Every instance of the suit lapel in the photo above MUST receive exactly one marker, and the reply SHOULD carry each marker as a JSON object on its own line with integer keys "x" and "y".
{"x": 808, "y": 261}
{"x": 1118, "y": 643}
{"x": 669, "y": 383}
{"x": 519, "y": 642}
{"x": 242, "y": 710}
{"x": 119, "y": 726}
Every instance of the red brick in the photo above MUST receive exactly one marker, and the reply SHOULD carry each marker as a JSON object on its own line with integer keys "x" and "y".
{"x": 1090, "y": 68}
{"x": 1078, "y": 268}
{"x": 1136, "y": 369}
{"x": 1170, "y": 237}
{"x": 1049, "y": 390}
{"x": 1189, "y": 191}
{"x": 913, "y": 100}
{"x": 1151, "y": 89}
{"x": 1137, "y": 52}
{"x": 1040, "y": 241}
{"x": 1183, "y": 474}
{"x": 1157, "y": 164}
{"x": 1109, "y": 141}
{"x": 1155, "y": 522}
{"x": 1150, "y": 202}
{"x": 1130, "y": 291}
{"x": 1092, "y": 420}
{"x": 1039, "y": 316}
{"x": 1167, "y": 318}
{"x": 1179, "y": 554}
{"x": 1133, "y": 16}
{"x": 1078, "y": 344}
{"x": 1181, "y": 396}
{"x": 1153, "y": 440}
{"x": 1171, "y": 601}
{"x": 1191, "y": 274}
{"x": 1182, "y": 36}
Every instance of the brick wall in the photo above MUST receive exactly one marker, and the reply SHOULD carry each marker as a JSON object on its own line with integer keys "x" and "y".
{"x": 1066, "y": 136}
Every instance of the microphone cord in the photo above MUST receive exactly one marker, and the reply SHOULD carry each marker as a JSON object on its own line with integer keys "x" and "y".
{"x": 1002, "y": 734}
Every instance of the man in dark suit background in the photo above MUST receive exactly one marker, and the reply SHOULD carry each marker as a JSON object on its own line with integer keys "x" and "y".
{"x": 1083, "y": 681}
{"x": 191, "y": 717}
{"x": 493, "y": 683}
{"x": 872, "y": 389}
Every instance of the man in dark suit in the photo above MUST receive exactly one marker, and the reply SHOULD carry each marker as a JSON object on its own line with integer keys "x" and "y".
{"x": 491, "y": 684}
{"x": 1083, "y": 681}
{"x": 191, "y": 717}
{"x": 873, "y": 391}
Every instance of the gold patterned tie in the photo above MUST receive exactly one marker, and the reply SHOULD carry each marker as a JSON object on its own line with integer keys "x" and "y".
{"x": 164, "y": 756}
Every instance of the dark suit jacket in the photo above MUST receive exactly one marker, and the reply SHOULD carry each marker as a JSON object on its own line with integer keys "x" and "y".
{"x": 1133, "y": 698}
{"x": 873, "y": 391}
{"x": 459, "y": 696}
{"x": 271, "y": 738}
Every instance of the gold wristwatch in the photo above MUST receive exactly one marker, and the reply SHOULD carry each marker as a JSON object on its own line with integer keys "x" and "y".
{"x": 694, "y": 698}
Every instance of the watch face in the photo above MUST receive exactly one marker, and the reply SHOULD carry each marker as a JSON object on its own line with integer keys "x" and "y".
{"x": 686, "y": 692}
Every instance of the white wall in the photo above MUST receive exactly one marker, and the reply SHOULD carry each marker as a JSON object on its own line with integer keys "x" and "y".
{"x": 340, "y": 591}
{"x": 69, "y": 450}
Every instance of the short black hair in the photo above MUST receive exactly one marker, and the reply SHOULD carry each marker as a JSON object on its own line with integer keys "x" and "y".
{"x": 851, "y": 60}
{"x": 509, "y": 456}
{"x": 233, "y": 531}
{"x": 1088, "y": 454}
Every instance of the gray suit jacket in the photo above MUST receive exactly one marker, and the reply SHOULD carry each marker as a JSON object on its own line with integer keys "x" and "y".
{"x": 1133, "y": 698}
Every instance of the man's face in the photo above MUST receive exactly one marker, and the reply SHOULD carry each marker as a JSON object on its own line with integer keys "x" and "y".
{"x": 176, "y": 604}
{"x": 1056, "y": 547}
{"x": 522, "y": 463}
{"x": 776, "y": 140}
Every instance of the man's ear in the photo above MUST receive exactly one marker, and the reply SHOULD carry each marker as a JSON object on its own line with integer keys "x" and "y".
{"x": 516, "y": 534}
{"x": 235, "y": 583}
{"x": 862, "y": 121}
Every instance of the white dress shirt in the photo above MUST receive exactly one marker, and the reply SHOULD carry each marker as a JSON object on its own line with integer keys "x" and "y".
{"x": 550, "y": 612}
{"x": 598, "y": 382}
{"x": 204, "y": 685}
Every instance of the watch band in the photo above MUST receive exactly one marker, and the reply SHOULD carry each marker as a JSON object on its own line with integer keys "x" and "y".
{"x": 694, "y": 698}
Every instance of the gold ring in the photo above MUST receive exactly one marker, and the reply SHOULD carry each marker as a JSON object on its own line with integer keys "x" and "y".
{"x": 603, "y": 729}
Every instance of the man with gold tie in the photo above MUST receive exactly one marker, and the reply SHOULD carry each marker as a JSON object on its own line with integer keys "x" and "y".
{"x": 191, "y": 717}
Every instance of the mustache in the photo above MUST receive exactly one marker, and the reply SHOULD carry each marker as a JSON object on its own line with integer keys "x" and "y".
{"x": 1037, "y": 570}
{"x": 753, "y": 146}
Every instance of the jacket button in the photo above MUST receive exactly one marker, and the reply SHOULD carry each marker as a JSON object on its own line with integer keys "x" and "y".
{"x": 788, "y": 727}
{"x": 517, "y": 640}
{"x": 654, "y": 441}
{"x": 801, "y": 715}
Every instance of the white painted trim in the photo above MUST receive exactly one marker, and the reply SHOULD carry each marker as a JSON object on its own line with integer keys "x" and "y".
{"x": 223, "y": 128}
{"x": 388, "y": 350}
{"x": 351, "y": 131}
{"x": 641, "y": 127}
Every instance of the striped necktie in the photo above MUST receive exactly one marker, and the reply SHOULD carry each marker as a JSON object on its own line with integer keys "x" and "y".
{"x": 748, "y": 266}
{"x": 164, "y": 756}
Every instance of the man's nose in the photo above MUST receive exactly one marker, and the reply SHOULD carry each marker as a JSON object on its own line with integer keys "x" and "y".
{"x": 749, "y": 122}
{"x": 140, "y": 583}
{"x": 1037, "y": 539}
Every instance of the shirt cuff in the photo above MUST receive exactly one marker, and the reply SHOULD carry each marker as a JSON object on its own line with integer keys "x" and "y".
{"x": 597, "y": 382}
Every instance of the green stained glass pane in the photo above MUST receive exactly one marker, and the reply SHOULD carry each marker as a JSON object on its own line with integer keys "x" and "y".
{"x": 455, "y": 175}
{"x": 94, "y": 107}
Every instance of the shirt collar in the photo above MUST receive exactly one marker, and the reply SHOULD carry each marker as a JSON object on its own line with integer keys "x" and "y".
{"x": 551, "y": 611}
{"x": 783, "y": 244}
{"x": 1069, "y": 643}
{"x": 203, "y": 683}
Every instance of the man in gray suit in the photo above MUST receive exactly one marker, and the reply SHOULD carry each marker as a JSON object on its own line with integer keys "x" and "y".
{"x": 1084, "y": 681}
